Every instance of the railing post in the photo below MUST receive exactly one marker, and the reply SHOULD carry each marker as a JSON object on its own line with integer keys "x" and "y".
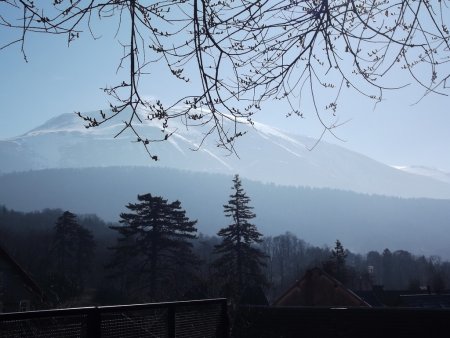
{"x": 171, "y": 320}
{"x": 224, "y": 326}
{"x": 93, "y": 327}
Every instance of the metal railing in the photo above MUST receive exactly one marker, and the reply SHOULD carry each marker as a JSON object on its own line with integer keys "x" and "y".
{"x": 293, "y": 322}
{"x": 197, "y": 318}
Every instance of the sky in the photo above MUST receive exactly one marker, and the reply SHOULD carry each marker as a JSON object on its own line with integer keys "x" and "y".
{"x": 59, "y": 79}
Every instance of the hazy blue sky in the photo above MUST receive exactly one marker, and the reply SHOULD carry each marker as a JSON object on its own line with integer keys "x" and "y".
{"x": 58, "y": 79}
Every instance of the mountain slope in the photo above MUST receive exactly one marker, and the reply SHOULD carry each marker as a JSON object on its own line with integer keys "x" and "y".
{"x": 265, "y": 154}
{"x": 437, "y": 174}
{"x": 320, "y": 216}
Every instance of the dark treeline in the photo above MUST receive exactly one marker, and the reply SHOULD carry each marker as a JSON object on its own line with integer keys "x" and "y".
{"x": 290, "y": 257}
{"x": 81, "y": 260}
{"x": 320, "y": 216}
{"x": 35, "y": 242}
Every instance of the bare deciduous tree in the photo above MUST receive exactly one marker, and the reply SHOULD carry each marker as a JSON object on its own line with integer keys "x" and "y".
{"x": 242, "y": 53}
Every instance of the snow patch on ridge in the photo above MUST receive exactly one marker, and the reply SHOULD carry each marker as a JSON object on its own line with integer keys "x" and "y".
{"x": 288, "y": 150}
{"x": 269, "y": 131}
{"x": 225, "y": 164}
{"x": 434, "y": 173}
{"x": 266, "y": 154}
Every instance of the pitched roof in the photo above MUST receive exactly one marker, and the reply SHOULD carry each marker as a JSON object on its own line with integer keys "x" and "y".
{"x": 378, "y": 297}
{"x": 317, "y": 288}
{"x": 24, "y": 276}
{"x": 436, "y": 301}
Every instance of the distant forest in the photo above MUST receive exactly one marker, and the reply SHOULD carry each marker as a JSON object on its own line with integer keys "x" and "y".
{"x": 319, "y": 216}
{"x": 30, "y": 239}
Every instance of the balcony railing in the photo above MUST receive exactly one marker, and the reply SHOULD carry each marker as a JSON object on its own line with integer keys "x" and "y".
{"x": 293, "y": 322}
{"x": 198, "y": 318}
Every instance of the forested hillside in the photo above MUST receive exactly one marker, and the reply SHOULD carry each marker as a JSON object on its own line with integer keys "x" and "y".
{"x": 30, "y": 238}
{"x": 363, "y": 222}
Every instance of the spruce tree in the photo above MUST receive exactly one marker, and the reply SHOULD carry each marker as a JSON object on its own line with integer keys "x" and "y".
{"x": 337, "y": 260}
{"x": 240, "y": 261}
{"x": 154, "y": 246}
{"x": 71, "y": 256}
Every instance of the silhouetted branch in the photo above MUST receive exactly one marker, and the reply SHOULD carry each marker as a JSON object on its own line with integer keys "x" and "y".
{"x": 244, "y": 53}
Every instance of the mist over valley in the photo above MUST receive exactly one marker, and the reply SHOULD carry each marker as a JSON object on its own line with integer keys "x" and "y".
{"x": 319, "y": 195}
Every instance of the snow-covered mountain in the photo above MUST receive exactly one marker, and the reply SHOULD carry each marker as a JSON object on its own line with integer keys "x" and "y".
{"x": 265, "y": 154}
{"x": 434, "y": 173}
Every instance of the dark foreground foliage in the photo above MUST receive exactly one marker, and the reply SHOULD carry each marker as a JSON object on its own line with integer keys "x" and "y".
{"x": 29, "y": 238}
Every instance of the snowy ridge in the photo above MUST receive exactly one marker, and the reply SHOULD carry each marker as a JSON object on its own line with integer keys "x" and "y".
{"x": 265, "y": 154}
{"x": 437, "y": 174}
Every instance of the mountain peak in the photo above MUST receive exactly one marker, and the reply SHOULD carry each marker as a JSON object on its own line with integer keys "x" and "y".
{"x": 67, "y": 121}
{"x": 265, "y": 153}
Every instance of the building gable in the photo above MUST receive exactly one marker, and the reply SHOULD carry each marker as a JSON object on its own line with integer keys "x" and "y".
{"x": 317, "y": 288}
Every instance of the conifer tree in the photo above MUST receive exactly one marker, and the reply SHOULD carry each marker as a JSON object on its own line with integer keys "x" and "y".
{"x": 338, "y": 256}
{"x": 71, "y": 256}
{"x": 240, "y": 262}
{"x": 154, "y": 247}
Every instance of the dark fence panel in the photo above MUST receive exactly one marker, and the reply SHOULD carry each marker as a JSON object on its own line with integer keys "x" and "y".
{"x": 262, "y": 322}
{"x": 202, "y": 318}
{"x": 145, "y": 323}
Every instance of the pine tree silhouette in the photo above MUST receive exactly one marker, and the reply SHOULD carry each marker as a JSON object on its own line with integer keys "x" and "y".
{"x": 71, "y": 255}
{"x": 154, "y": 245}
{"x": 240, "y": 262}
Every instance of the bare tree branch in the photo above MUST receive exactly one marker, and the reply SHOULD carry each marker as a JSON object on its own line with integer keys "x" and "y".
{"x": 245, "y": 53}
